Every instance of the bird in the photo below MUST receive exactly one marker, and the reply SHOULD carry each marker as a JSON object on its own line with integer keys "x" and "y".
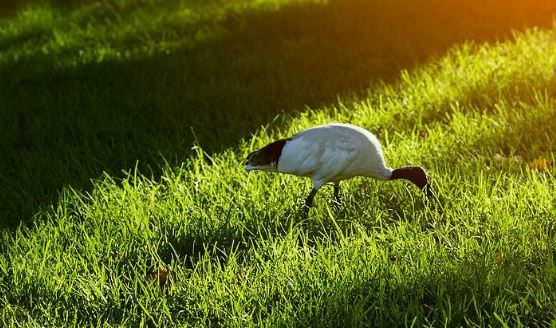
{"x": 332, "y": 153}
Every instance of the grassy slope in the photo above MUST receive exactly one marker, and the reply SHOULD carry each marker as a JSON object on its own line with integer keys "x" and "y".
{"x": 237, "y": 250}
{"x": 136, "y": 80}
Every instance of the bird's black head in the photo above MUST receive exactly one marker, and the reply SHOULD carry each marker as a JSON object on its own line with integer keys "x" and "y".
{"x": 415, "y": 174}
{"x": 266, "y": 158}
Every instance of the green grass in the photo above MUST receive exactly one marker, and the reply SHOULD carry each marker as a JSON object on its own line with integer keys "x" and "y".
{"x": 125, "y": 125}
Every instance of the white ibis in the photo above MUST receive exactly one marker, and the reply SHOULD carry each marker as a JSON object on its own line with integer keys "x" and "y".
{"x": 332, "y": 153}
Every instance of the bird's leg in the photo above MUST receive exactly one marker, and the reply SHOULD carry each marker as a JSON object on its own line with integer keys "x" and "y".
{"x": 308, "y": 203}
{"x": 337, "y": 192}
{"x": 309, "y": 199}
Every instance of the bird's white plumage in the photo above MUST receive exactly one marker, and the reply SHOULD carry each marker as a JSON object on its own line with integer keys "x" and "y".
{"x": 334, "y": 152}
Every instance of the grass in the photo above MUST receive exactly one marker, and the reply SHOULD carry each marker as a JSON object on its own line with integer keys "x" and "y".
{"x": 125, "y": 128}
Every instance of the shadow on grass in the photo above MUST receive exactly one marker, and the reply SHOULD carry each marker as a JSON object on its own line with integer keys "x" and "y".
{"x": 64, "y": 125}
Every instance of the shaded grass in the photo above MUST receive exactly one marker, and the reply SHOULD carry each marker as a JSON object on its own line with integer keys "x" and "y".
{"x": 98, "y": 87}
{"x": 239, "y": 253}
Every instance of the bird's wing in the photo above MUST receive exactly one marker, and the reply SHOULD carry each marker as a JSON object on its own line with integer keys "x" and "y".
{"x": 323, "y": 159}
{"x": 336, "y": 162}
{"x": 300, "y": 157}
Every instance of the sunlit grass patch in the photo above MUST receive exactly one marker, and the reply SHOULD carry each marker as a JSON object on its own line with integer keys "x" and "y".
{"x": 113, "y": 82}
{"x": 193, "y": 240}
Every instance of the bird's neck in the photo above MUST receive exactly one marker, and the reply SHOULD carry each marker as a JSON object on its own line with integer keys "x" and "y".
{"x": 380, "y": 173}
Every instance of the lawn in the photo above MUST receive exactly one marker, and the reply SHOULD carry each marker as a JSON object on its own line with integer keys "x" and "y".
{"x": 124, "y": 130}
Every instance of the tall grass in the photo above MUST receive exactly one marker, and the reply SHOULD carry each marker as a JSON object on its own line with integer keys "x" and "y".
{"x": 94, "y": 87}
{"x": 198, "y": 242}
